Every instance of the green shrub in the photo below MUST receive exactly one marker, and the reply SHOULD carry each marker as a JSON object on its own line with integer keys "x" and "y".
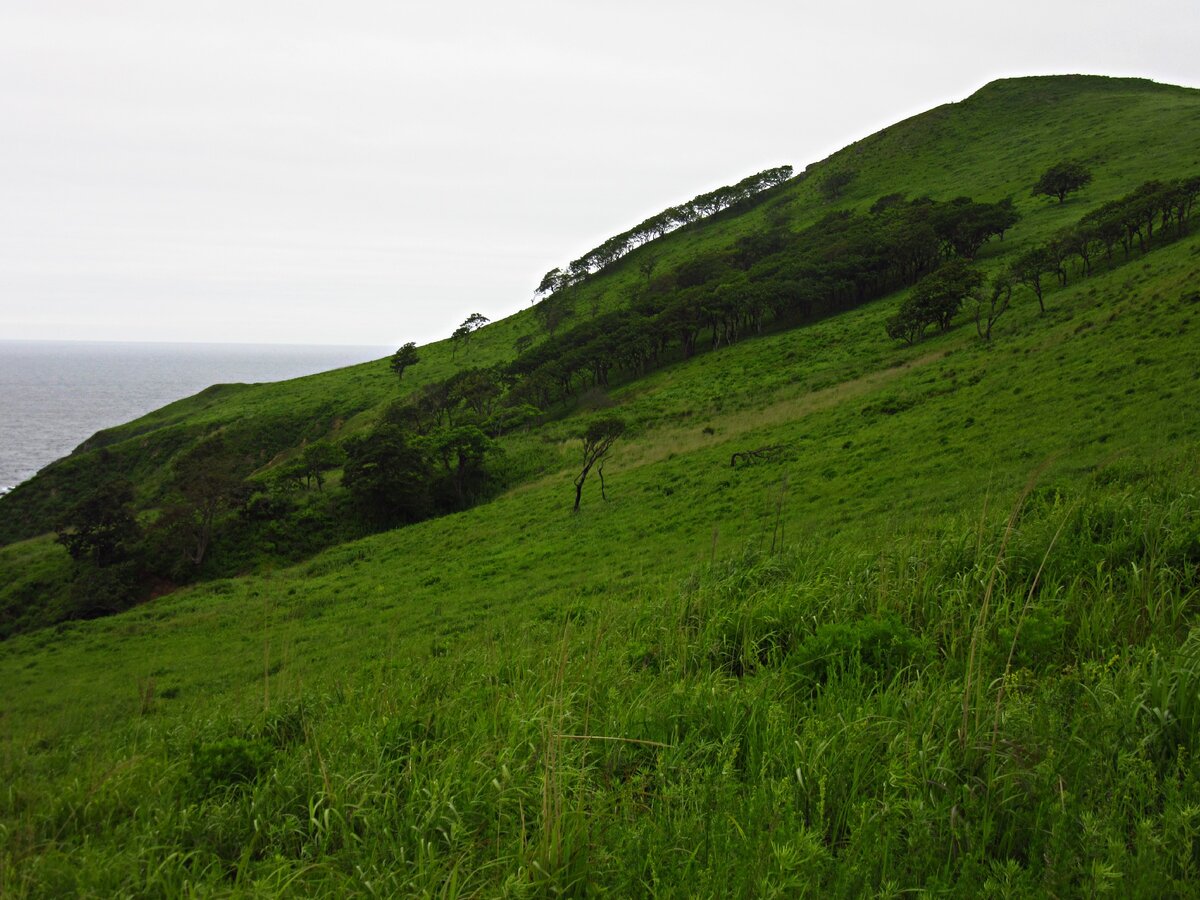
{"x": 883, "y": 645}
{"x": 229, "y": 762}
{"x": 1040, "y": 640}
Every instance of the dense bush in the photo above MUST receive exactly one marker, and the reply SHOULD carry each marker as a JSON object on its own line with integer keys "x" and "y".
{"x": 227, "y": 763}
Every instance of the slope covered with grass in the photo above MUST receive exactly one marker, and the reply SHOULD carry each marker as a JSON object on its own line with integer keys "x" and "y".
{"x": 990, "y": 146}
{"x": 941, "y": 638}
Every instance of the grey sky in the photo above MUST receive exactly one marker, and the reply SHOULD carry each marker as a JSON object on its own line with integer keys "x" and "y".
{"x": 372, "y": 172}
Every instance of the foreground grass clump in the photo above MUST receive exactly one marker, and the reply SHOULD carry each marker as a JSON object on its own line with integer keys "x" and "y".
{"x": 1004, "y": 707}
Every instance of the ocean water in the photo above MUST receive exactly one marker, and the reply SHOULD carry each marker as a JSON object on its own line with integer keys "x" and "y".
{"x": 54, "y": 395}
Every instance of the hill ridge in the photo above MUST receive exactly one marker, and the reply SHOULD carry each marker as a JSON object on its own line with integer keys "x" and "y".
{"x": 943, "y": 637}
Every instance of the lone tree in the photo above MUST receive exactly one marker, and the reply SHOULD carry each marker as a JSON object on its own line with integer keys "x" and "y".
{"x": 462, "y": 334}
{"x": 208, "y": 481}
{"x": 1029, "y": 269}
{"x": 1062, "y": 178}
{"x": 403, "y": 358}
{"x": 647, "y": 264}
{"x": 597, "y": 441}
{"x": 990, "y": 306}
{"x": 552, "y": 312}
{"x": 833, "y": 185}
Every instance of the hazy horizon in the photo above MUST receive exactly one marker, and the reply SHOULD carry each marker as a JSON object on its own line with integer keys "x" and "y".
{"x": 230, "y": 343}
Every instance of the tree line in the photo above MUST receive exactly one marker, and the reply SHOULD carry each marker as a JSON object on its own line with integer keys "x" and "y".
{"x": 775, "y": 275}
{"x": 699, "y": 207}
{"x": 435, "y": 450}
{"x": 215, "y": 517}
{"x": 1155, "y": 212}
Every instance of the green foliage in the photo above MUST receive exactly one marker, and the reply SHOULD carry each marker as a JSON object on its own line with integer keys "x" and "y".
{"x": 462, "y": 452}
{"x": 227, "y": 763}
{"x": 707, "y": 204}
{"x": 1036, "y": 641}
{"x": 101, "y": 529}
{"x": 993, "y": 304}
{"x": 461, "y": 338}
{"x": 936, "y": 300}
{"x": 833, "y": 185}
{"x": 775, "y": 277}
{"x": 102, "y": 591}
{"x": 319, "y": 458}
{"x": 598, "y": 438}
{"x": 883, "y": 646}
{"x": 387, "y": 477}
{"x": 1063, "y": 178}
{"x": 913, "y": 695}
{"x": 964, "y": 225}
{"x": 403, "y": 359}
{"x": 208, "y": 483}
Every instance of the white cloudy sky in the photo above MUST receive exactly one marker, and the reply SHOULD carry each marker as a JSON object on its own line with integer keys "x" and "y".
{"x": 371, "y": 172}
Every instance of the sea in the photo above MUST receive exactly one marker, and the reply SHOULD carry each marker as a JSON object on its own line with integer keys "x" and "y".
{"x": 56, "y": 394}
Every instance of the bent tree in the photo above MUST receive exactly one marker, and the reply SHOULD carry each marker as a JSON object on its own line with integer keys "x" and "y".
{"x": 403, "y": 358}
{"x": 597, "y": 441}
{"x": 990, "y": 307}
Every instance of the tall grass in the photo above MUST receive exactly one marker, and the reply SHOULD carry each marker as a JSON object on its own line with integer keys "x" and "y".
{"x": 782, "y": 724}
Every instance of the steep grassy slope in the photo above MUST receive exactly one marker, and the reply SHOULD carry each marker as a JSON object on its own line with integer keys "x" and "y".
{"x": 944, "y": 639}
{"x": 393, "y": 683}
{"x": 991, "y": 145}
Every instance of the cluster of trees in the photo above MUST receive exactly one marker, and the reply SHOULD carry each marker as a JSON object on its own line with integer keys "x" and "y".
{"x": 214, "y": 518}
{"x": 102, "y": 535}
{"x": 396, "y": 476}
{"x": 1129, "y": 223}
{"x": 656, "y": 226}
{"x": 776, "y": 275}
{"x": 935, "y": 301}
{"x": 1156, "y": 211}
{"x": 118, "y": 558}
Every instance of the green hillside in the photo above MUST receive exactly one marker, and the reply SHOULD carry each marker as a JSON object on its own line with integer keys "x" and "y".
{"x": 939, "y": 635}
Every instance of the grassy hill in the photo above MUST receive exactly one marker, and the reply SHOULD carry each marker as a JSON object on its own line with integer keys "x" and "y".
{"x": 941, "y": 638}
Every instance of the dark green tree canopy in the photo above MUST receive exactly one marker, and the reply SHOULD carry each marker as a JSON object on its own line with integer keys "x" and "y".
{"x": 317, "y": 459}
{"x": 208, "y": 481}
{"x": 935, "y": 300}
{"x": 462, "y": 451}
{"x": 387, "y": 476}
{"x": 101, "y": 528}
{"x": 833, "y": 185}
{"x": 1063, "y": 178}
{"x": 403, "y": 358}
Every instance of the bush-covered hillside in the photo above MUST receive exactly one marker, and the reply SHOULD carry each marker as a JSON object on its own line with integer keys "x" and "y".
{"x": 856, "y": 614}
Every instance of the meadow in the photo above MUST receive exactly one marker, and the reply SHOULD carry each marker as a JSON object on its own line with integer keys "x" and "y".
{"x": 940, "y": 639}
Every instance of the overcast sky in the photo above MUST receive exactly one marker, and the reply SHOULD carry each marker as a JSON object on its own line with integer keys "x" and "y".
{"x": 372, "y": 172}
